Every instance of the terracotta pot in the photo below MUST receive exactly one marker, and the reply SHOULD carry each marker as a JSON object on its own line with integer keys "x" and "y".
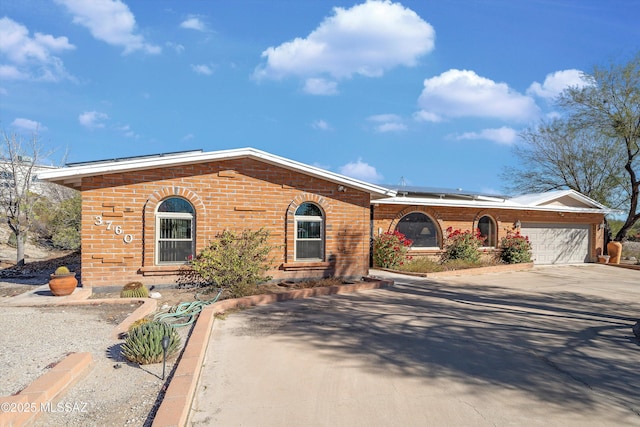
{"x": 62, "y": 284}
{"x": 615, "y": 251}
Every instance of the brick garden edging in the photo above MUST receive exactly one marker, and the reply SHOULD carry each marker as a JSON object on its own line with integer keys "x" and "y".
{"x": 175, "y": 407}
{"x": 29, "y": 401}
{"x": 627, "y": 266}
{"x": 467, "y": 271}
{"x": 26, "y": 406}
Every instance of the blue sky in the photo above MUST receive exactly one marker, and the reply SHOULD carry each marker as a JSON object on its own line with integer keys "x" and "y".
{"x": 430, "y": 92}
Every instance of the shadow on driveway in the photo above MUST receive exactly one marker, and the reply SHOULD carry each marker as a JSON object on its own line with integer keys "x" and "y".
{"x": 565, "y": 348}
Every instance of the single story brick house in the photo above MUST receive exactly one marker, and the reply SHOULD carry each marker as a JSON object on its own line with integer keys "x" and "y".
{"x": 143, "y": 217}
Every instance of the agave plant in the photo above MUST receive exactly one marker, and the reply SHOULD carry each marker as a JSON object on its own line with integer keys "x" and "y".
{"x": 144, "y": 343}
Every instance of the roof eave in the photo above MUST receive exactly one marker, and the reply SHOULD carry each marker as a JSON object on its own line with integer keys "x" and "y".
{"x": 72, "y": 176}
{"x": 506, "y": 205}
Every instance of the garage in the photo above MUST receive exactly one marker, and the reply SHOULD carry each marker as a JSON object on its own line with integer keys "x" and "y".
{"x": 558, "y": 243}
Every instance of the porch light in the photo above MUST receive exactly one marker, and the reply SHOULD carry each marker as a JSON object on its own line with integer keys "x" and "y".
{"x": 517, "y": 224}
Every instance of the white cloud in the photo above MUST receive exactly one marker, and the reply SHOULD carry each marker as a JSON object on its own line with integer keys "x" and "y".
{"x": 367, "y": 39}
{"x": 388, "y": 123}
{"x": 26, "y": 124}
{"x": 503, "y": 135}
{"x": 316, "y": 86}
{"x": 188, "y": 137}
{"x": 110, "y": 21}
{"x": 193, "y": 23}
{"x": 202, "y": 69}
{"x": 361, "y": 170}
{"x": 425, "y": 116}
{"x": 92, "y": 119}
{"x": 128, "y": 132}
{"x": 10, "y": 72}
{"x": 391, "y": 127}
{"x": 31, "y": 57}
{"x": 555, "y": 83}
{"x": 463, "y": 93}
{"x": 320, "y": 125}
{"x": 177, "y": 47}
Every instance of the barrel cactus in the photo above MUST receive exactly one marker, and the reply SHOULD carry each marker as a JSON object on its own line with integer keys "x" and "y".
{"x": 61, "y": 271}
{"x": 134, "y": 290}
{"x": 144, "y": 343}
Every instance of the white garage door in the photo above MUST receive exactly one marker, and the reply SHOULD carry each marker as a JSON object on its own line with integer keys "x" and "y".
{"x": 558, "y": 243}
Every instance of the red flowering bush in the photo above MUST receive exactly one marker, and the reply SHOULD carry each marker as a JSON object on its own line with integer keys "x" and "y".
{"x": 516, "y": 248}
{"x": 462, "y": 245}
{"x": 390, "y": 249}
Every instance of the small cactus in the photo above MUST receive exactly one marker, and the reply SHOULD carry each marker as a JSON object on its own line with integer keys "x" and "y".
{"x": 144, "y": 343}
{"x": 134, "y": 290}
{"x": 61, "y": 271}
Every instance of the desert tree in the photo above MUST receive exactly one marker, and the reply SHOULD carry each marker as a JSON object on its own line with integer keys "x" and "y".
{"x": 556, "y": 156}
{"x": 18, "y": 161}
{"x": 593, "y": 148}
{"x": 610, "y": 105}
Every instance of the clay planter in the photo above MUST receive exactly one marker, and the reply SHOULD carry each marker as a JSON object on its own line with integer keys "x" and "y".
{"x": 615, "y": 251}
{"x": 62, "y": 284}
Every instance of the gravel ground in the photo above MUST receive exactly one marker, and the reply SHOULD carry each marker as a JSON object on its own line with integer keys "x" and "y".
{"x": 113, "y": 393}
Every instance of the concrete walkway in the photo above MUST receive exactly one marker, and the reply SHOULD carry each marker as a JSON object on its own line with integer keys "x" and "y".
{"x": 550, "y": 346}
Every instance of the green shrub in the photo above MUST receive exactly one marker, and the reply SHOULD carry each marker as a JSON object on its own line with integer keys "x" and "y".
{"x": 459, "y": 245}
{"x": 58, "y": 223}
{"x": 134, "y": 290}
{"x": 144, "y": 343}
{"x": 390, "y": 249}
{"x": 66, "y": 238}
{"x": 516, "y": 248}
{"x": 65, "y": 224}
{"x": 233, "y": 262}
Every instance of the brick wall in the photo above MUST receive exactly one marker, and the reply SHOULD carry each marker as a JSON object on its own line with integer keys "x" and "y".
{"x": 118, "y": 218}
{"x": 386, "y": 217}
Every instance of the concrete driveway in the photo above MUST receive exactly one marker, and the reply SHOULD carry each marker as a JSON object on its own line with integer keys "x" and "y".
{"x": 551, "y": 346}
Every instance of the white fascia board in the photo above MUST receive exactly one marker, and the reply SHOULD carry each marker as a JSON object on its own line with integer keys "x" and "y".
{"x": 508, "y": 204}
{"x": 74, "y": 173}
{"x": 540, "y": 198}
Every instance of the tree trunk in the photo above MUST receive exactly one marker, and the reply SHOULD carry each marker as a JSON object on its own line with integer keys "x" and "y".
{"x": 632, "y": 216}
{"x": 20, "y": 249}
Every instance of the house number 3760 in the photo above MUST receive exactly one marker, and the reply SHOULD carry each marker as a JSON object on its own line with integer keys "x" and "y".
{"x": 117, "y": 229}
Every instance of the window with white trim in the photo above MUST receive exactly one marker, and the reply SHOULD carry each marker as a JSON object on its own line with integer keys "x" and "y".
{"x": 420, "y": 229}
{"x": 309, "y": 237}
{"x": 487, "y": 228}
{"x": 174, "y": 231}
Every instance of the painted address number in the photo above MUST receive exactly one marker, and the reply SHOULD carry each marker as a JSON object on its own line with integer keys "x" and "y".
{"x": 117, "y": 229}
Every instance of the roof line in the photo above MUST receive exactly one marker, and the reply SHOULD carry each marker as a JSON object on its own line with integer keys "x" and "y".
{"x": 121, "y": 159}
{"x": 72, "y": 176}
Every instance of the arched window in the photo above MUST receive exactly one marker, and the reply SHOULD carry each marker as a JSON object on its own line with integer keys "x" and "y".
{"x": 309, "y": 238}
{"x": 487, "y": 228}
{"x": 419, "y": 228}
{"x": 174, "y": 231}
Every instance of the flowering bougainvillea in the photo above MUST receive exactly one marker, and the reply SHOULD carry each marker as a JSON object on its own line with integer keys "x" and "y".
{"x": 462, "y": 245}
{"x": 390, "y": 249}
{"x": 516, "y": 248}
